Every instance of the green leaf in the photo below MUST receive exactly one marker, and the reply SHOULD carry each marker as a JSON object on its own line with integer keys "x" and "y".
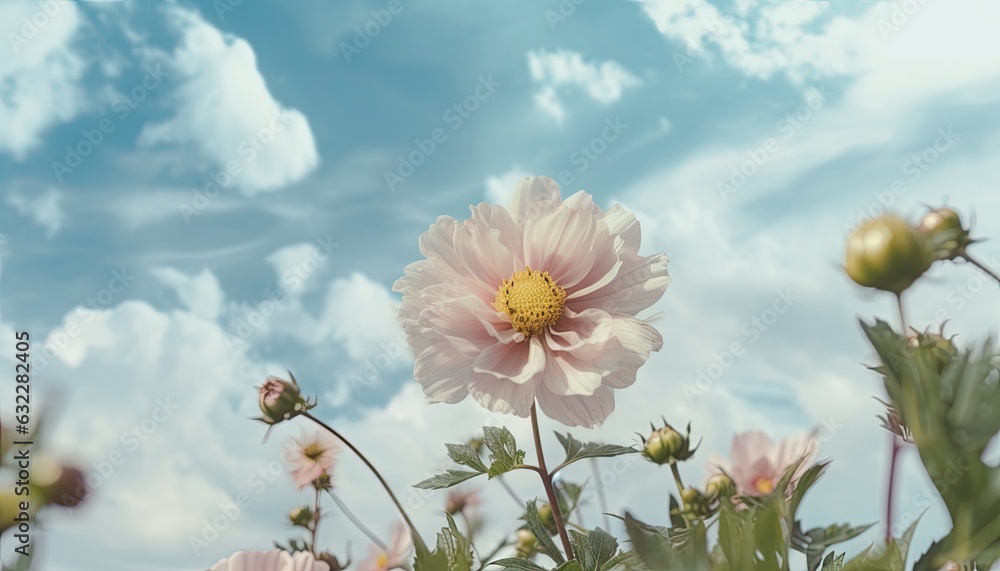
{"x": 627, "y": 561}
{"x": 545, "y": 543}
{"x": 573, "y": 565}
{"x": 603, "y": 545}
{"x": 890, "y": 557}
{"x": 653, "y": 545}
{"x": 516, "y": 564}
{"x": 568, "y": 495}
{"x": 576, "y": 450}
{"x": 453, "y": 553}
{"x": 504, "y": 453}
{"x": 581, "y": 549}
{"x": 466, "y": 456}
{"x": 446, "y": 480}
{"x": 833, "y": 562}
{"x": 815, "y": 542}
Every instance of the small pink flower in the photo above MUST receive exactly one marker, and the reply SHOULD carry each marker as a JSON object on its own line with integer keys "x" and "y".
{"x": 309, "y": 457}
{"x": 397, "y": 557}
{"x": 460, "y": 499}
{"x": 535, "y": 302}
{"x": 758, "y": 464}
{"x": 274, "y": 560}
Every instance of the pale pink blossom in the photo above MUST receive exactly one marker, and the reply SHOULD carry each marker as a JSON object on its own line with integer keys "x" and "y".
{"x": 310, "y": 456}
{"x": 398, "y": 556}
{"x": 757, "y": 464}
{"x": 535, "y": 302}
{"x": 461, "y": 499}
{"x": 274, "y": 560}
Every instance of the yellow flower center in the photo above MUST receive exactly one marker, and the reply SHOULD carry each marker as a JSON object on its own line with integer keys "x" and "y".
{"x": 763, "y": 485}
{"x": 532, "y": 300}
{"x": 382, "y": 561}
{"x": 313, "y": 450}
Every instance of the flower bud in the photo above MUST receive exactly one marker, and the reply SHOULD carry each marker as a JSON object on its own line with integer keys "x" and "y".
{"x": 10, "y": 508}
{"x": 301, "y": 517}
{"x": 60, "y": 485}
{"x": 527, "y": 544}
{"x": 887, "y": 254}
{"x": 548, "y": 518}
{"x": 935, "y": 347}
{"x": 720, "y": 486}
{"x": 667, "y": 446}
{"x": 280, "y": 400}
{"x": 695, "y": 504}
{"x": 948, "y": 237}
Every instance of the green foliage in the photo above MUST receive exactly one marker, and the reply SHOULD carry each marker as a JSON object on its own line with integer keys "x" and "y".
{"x": 504, "y": 457}
{"x": 453, "y": 552}
{"x": 950, "y": 403}
{"x": 576, "y": 450}
{"x": 889, "y": 557}
{"x": 545, "y": 543}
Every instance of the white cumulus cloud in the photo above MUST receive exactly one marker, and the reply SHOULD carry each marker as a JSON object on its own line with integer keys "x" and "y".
{"x": 563, "y": 71}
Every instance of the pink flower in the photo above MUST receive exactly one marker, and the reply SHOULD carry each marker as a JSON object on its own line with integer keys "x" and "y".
{"x": 309, "y": 457}
{"x": 460, "y": 500}
{"x": 397, "y": 557}
{"x": 274, "y": 560}
{"x": 534, "y": 302}
{"x": 758, "y": 465}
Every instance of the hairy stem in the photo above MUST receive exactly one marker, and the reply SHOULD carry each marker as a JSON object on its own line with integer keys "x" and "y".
{"x": 549, "y": 489}
{"x": 357, "y": 522}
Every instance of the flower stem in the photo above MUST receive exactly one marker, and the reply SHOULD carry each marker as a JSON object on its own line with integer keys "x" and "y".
{"x": 549, "y": 489}
{"x": 357, "y": 522}
{"x": 894, "y": 454}
{"x": 417, "y": 540}
{"x": 510, "y": 491}
{"x": 680, "y": 490}
{"x": 982, "y": 267}
{"x": 602, "y": 500}
{"x": 315, "y": 525}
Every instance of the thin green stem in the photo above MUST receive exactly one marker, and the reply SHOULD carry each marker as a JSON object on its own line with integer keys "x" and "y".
{"x": 894, "y": 450}
{"x": 417, "y": 540}
{"x": 602, "y": 500}
{"x": 680, "y": 489}
{"x": 510, "y": 491}
{"x": 357, "y": 522}
{"x": 982, "y": 267}
{"x": 549, "y": 489}
{"x": 484, "y": 562}
{"x": 315, "y": 525}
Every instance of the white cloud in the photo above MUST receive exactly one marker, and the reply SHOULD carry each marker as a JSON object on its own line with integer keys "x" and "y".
{"x": 500, "y": 189}
{"x": 200, "y": 293}
{"x": 563, "y": 70}
{"x": 225, "y": 109}
{"x": 39, "y": 71}
{"x": 44, "y": 210}
{"x": 360, "y": 313}
{"x": 295, "y": 265}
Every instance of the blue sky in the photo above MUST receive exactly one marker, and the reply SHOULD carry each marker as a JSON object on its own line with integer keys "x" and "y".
{"x": 180, "y": 289}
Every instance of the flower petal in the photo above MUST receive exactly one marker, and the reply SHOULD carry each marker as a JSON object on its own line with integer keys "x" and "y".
{"x": 560, "y": 240}
{"x": 531, "y": 191}
{"x": 578, "y": 410}
{"x": 443, "y": 372}
{"x": 515, "y": 362}
{"x": 565, "y": 375}
{"x": 501, "y": 395}
{"x": 640, "y": 283}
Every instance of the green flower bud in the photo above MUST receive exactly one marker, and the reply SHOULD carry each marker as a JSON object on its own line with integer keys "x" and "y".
{"x": 935, "y": 347}
{"x": 947, "y": 235}
{"x": 720, "y": 486}
{"x": 887, "y": 254}
{"x": 10, "y": 508}
{"x": 527, "y": 544}
{"x": 301, "y": 517}
{"x": 695, "y": 504}
{"x": 667, "y": 446}
{"x": 548, "y": 518}
{"x": 280, "y": 400}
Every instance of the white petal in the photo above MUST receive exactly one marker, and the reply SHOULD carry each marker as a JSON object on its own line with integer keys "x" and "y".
{"x": 639, "y": 283}
{"x": 530, "y": 191}
{"x": 566, "y": 375}
{"x": 586, "y": 411}
{"x": 503, "y": 396}
{"x": 516, "y": 362}
{"x": 443, "y": 373}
